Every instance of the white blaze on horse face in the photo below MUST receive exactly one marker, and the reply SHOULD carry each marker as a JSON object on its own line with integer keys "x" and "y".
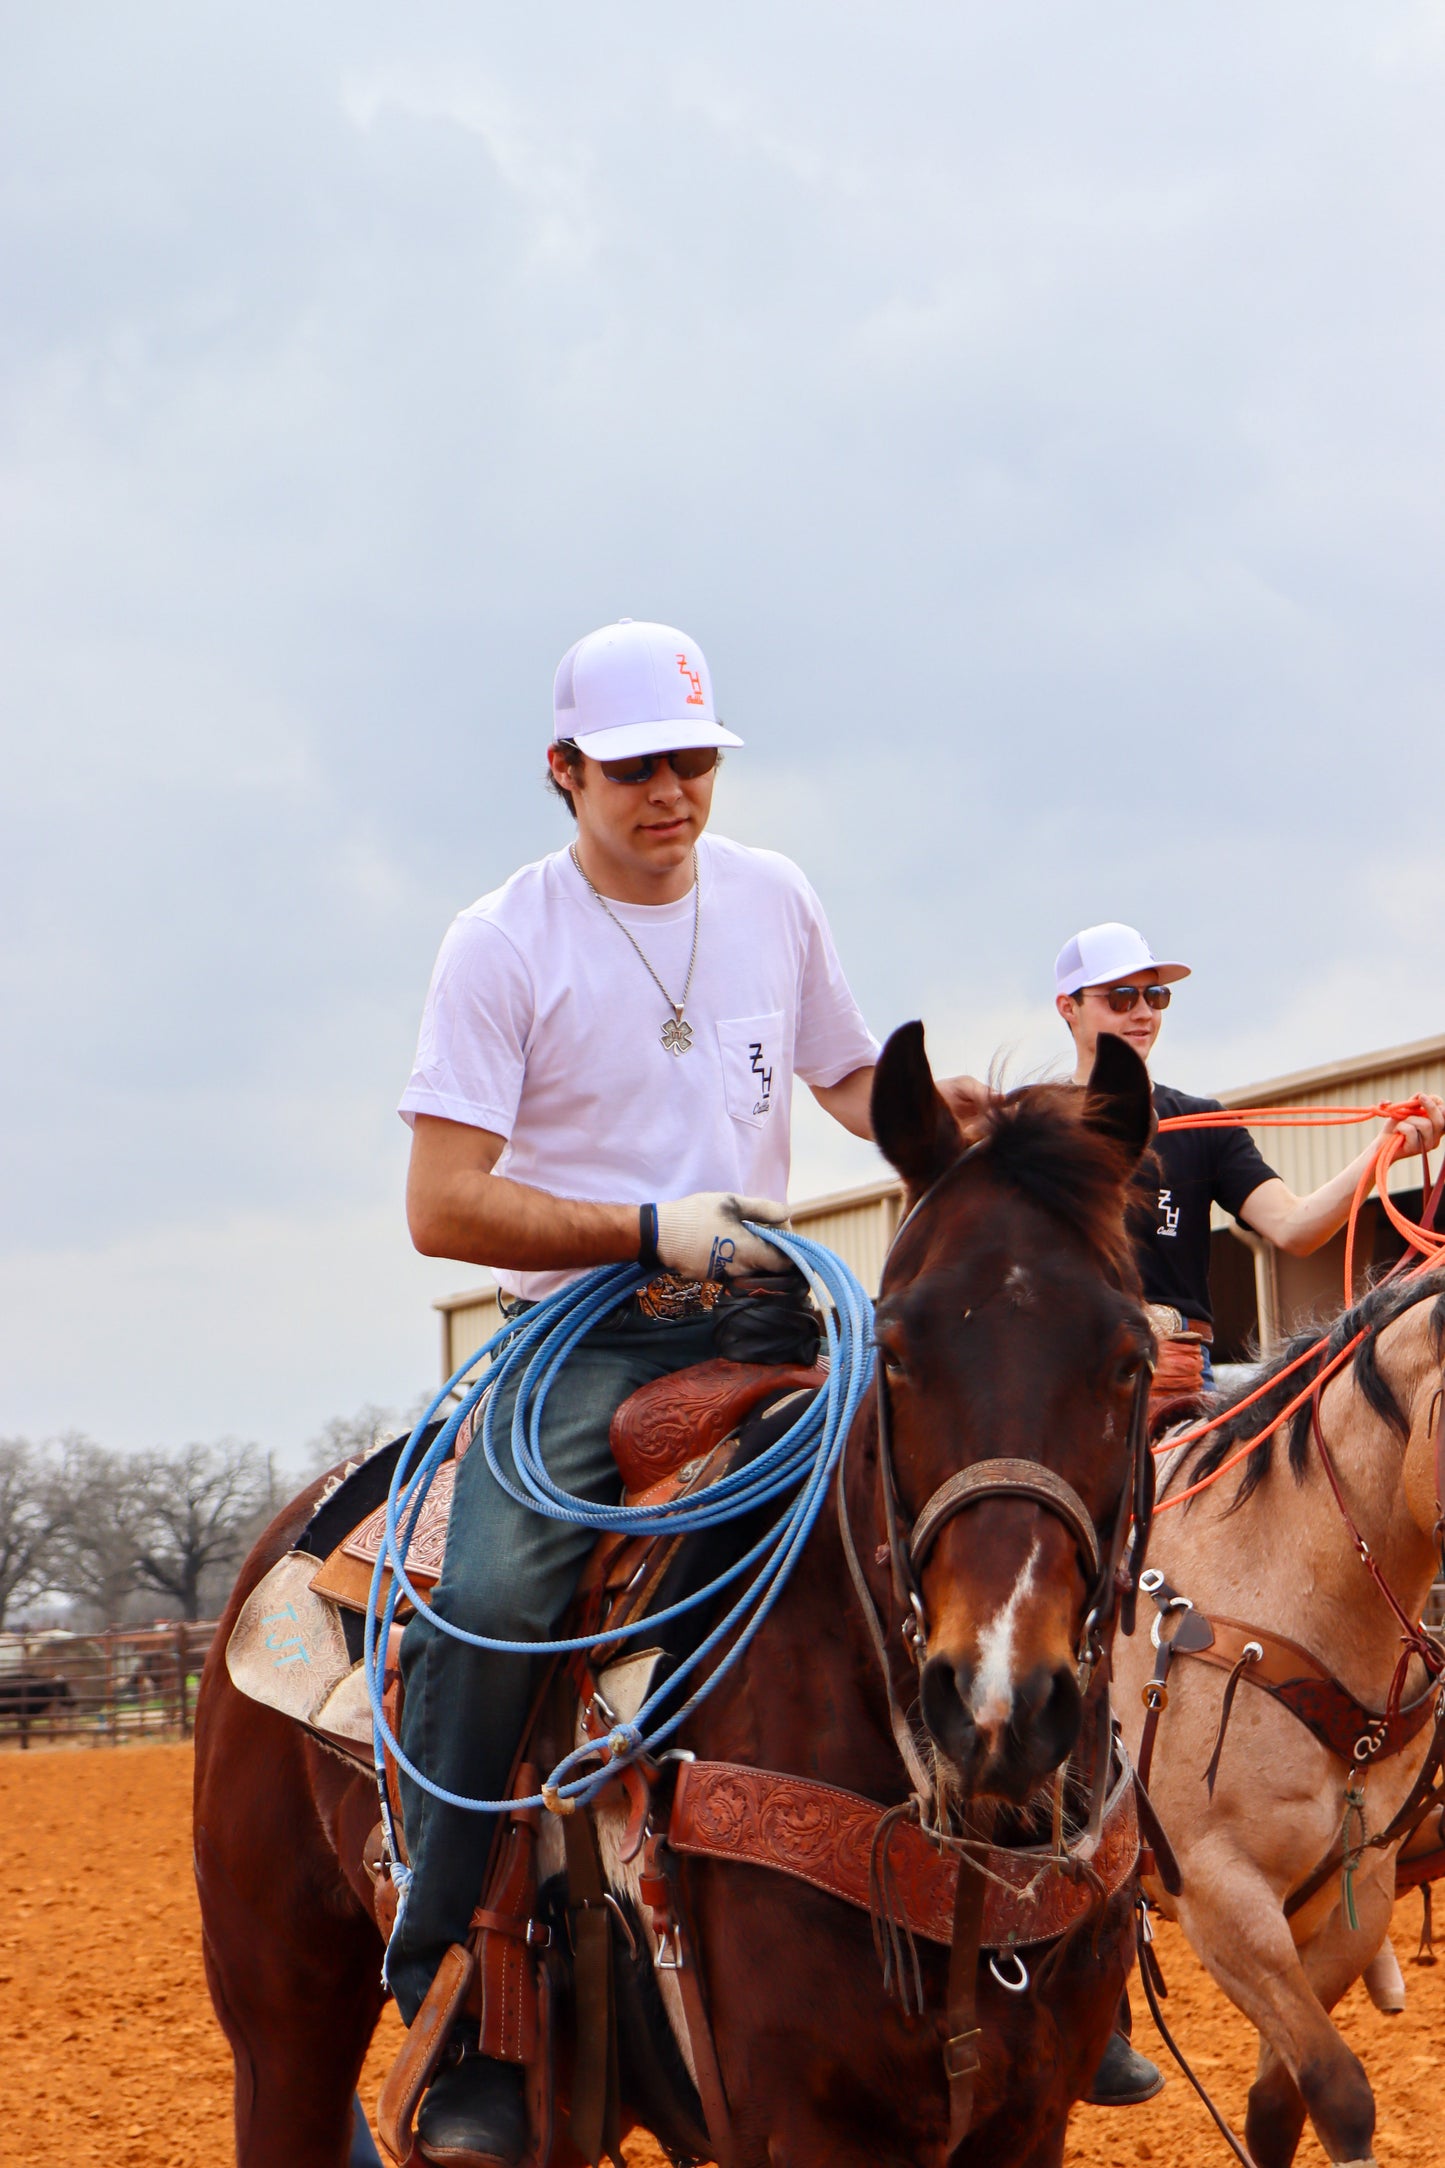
{"x": 991, "y": 1697}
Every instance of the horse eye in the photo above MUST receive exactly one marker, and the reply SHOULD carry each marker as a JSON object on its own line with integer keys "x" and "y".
{"x": 1129, "y": 1369}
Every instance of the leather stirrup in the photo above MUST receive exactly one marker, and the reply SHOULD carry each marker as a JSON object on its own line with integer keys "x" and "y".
{"x": 421, "y": 2051}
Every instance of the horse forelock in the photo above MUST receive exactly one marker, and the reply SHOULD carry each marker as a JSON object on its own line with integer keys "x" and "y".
{"x": 1376, "y": 1309}
{"x": 1037, "y": 1141}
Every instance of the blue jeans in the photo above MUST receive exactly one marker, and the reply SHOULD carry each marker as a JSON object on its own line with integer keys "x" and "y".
{"x": 510, "y": 1573}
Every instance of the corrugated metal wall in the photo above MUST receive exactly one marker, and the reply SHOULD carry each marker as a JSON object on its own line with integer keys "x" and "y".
{"x": 859, "y": 1223}
{"x": 1307, "y": 1157}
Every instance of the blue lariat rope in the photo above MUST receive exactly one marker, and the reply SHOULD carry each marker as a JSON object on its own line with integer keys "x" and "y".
{"x": 794, "y": 1471}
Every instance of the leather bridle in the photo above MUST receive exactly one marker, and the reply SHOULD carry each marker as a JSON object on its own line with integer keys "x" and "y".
{"x": 1111, "y": 1569}
{"x": 1009, "y": 1477}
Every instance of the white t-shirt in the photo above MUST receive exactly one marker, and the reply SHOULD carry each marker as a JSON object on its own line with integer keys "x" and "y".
{"x": 542, "y": 1025}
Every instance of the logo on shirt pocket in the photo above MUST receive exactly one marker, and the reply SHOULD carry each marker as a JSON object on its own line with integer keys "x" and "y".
{"x": 750, "y": 1047}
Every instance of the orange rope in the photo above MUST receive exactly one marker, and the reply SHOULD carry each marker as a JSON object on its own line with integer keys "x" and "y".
{"x": 1425, "y": 1240}
{"x": 1388, "y": 1110}
{"x": 1284, "y": 1415}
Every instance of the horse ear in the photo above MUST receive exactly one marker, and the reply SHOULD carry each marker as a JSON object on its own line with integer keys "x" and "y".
{"x": 1118, "y": 1099}
{"x": 912, "y": 1125}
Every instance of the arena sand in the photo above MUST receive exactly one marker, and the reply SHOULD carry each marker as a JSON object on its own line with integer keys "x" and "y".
{"x": 111, "y": 2054}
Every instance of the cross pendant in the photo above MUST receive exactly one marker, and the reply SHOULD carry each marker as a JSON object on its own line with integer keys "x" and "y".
{"x": 676, "y": 1035}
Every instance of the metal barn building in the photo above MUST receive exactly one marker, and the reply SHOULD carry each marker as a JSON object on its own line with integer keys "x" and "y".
{"x": 1258, "y": 1292}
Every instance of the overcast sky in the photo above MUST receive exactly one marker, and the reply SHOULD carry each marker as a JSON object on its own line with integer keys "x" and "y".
{"x": 1035, "y": 413}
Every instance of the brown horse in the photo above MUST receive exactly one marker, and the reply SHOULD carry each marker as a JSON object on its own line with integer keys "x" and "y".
{"x": 1009, "y": 1330}
{"x": 1268, "y": 1547}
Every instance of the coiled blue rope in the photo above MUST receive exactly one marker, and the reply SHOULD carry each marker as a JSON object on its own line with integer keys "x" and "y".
{"x": 794, "y": 1472}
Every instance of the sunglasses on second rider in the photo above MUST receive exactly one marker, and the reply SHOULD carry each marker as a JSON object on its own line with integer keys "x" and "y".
{"x": 1121, "y": 999}
{"x": 687, "y": 765}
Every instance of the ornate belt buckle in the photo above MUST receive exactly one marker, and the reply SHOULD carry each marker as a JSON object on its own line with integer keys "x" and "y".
{"x": 670, "y": 1296}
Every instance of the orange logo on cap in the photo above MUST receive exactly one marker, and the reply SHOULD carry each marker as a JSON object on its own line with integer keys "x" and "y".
{"x": 694, "y": 698}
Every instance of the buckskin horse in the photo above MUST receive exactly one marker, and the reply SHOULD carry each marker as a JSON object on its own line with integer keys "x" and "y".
{"x": 936, "y": 1650}
{"x": 1297, "y": 1722}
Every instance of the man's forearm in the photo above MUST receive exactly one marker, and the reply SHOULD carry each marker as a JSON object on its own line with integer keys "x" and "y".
{"x": 487, "y": 1219}
{"x": 849, "y": 1101}
{"x": 1301, "y": 1224}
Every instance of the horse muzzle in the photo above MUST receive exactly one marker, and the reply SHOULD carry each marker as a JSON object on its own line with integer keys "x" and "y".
{"x": 1000, "y": 1737}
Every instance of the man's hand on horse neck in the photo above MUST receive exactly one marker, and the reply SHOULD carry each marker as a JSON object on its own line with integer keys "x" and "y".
{"x": 849, "y": 1100}
{"x": 1301, "y": 1224}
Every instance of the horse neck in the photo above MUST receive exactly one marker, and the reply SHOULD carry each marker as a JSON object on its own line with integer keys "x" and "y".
{"x": 810, "y": 1699}
{"x": 1286, "y": 1558}
{"x": 1389, "y": 1482}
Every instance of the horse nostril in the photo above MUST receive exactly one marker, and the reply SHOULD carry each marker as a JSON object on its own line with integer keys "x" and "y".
{"x": 1048, "y": 1710}
{"x": 943, "y": 1692}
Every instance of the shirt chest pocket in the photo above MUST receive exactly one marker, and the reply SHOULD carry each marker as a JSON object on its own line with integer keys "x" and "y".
{"x": 752, "y": 1065}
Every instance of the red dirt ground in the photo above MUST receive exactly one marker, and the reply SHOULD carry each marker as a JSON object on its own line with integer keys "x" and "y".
{"x": 112, "y": 2055}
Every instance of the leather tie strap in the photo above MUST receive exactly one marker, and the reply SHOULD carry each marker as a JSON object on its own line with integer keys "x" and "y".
{"x": 960, "y": 2050}
{"x": 1006, "y": 1478}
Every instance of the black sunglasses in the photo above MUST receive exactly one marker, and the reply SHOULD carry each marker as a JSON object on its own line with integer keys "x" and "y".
{"x": 687, "y": 766}
{"x": 1121, "y": 999}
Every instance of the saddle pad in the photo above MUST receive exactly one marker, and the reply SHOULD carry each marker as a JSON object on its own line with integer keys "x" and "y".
{"x": 820, "y": 1834}
{"x": 287, "y": 1648}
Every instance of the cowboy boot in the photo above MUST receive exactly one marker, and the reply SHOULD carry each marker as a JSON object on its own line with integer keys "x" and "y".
{"x": 1124, "y": 2077}
{"x": 475, "y": 2112}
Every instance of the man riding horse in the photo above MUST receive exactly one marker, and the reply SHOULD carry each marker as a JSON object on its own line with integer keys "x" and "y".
{"x": 1107, "y": 979}
{"x": 604, "y": 1075}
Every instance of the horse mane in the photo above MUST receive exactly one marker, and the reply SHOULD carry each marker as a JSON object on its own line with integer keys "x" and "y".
{"x": 1039, "y": 1141}
{"x": 1378, "y": 1307}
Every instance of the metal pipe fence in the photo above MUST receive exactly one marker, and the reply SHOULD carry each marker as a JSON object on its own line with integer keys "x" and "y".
{"x": 101, "y": 1689}
{"x": 140, "y": 1682}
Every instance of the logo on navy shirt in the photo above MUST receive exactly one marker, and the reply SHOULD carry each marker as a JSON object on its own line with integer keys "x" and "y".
{"x": 1168, "y": 1214}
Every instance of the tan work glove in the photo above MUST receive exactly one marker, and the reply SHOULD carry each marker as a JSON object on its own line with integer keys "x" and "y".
{"x": 703, "y": 1237}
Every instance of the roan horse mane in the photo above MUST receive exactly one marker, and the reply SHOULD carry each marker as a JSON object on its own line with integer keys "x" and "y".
{"x": 1041, "y": 1139}
{"x": 1375, "y": 1310}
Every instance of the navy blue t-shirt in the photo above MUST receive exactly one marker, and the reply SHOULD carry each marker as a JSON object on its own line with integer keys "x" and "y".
{"x": 1169, "y": 1220}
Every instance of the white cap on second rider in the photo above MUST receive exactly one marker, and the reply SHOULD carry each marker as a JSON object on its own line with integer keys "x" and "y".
{"x": 634, "y": 688}
{"x": 1101, "y": 955}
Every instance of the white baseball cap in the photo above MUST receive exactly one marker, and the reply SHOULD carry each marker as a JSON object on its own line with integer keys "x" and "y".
{"x": 634, "y": 688}
{"x": 1102, "y": 955}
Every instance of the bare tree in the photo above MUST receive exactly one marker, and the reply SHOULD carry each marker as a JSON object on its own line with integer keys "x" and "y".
{"x": 353, "y": 1437}
{"x": 98, "y": 1524}
{"x": 29, "y": 1512}
{"x": 196, "y": 1510}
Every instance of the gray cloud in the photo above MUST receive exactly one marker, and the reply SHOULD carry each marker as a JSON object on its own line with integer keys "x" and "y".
{"x": 1035, "y": 415}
